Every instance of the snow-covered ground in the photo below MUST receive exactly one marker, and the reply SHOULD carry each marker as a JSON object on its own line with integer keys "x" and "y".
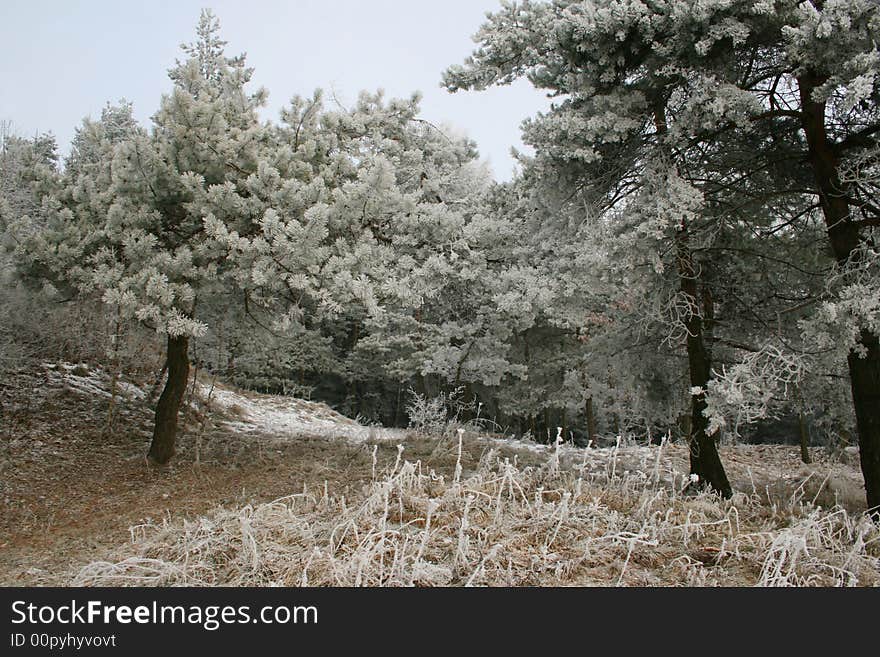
{"x": 497, "y": 512}
{"x": 80, "y": 378}
{"x": 285, "y": 418}
{"x": 289, "y": 417}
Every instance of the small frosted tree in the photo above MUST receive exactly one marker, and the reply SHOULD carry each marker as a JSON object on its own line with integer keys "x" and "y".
{"x": 126, "y": 219}
{"x": 23, "y": 162}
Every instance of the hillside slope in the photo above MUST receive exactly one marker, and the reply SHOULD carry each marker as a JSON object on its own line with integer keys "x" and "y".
{"x": 276, "y": 490}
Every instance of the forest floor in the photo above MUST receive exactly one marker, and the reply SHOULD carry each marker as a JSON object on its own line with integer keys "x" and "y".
{"x": 277, "y": 490}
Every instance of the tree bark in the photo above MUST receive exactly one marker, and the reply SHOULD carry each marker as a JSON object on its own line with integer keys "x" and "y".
{"x": 168, "y": 406}
{"x": 865, "y": 379}
{"x": 704, "y": 459}
{"x": 591, "y": 423}
{"x": 845, "y": 238}
{"x": 805, "y": 439}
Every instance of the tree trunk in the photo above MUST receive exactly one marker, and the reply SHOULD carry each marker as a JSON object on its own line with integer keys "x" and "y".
{"x": 805, "y": 439}
{"x": 591, "y": 423}
{"x": 168, "y": 407}
{"x": 865, "y": 378}
{"x": 704, "y": 459}
{"x": 845, "y": 237}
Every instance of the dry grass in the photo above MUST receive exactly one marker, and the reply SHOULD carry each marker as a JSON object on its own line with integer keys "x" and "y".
{"x": 70, "y": 489}
{"x": 480, "y": 511}
{"x": 505, "y": 524}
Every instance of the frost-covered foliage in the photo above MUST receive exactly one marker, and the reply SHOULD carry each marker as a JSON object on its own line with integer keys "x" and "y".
{"x": 851, "y": 302}
{"x": 427, "y": 414}
{"x": 441, "y": 414}
{"x": 754, "y": 387}
{"x": 297, "y": 217}
{"x": 33, "y": 321}
{"x": 657, "y": 266}
{"x": 21, "y": 162}
{"x": 376, "y": 235}
{"x": 322, "y": 218}
{"x": 629, "y": 214}
{"x": 124, "y": 219}
{"x": 675, "y": 152}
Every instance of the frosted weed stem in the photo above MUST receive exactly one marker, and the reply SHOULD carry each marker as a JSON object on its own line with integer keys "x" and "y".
{"x": 457, "y": 478}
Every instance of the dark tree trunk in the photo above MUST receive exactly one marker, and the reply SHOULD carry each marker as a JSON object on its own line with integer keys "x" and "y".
{"x": 865, "y": 378}
{"x": 845, "y": 237}
{"x": 591, "y": 423}
{"x": 168, "y": 407}
{"x": 704, "y": 458}
{"x": 705, "y": 461}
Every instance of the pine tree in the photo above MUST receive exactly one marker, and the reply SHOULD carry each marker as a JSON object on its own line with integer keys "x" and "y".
{"x": 615, "y": 131}
{"x": 315, "y": 222}
{"x": 727, "y": 97}
{"x": 126, "y": 218}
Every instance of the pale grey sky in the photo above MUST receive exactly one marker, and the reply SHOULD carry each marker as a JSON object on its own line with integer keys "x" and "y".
{"x": 64, "y": 59}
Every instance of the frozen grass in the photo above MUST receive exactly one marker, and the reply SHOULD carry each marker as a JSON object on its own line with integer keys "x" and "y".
{"x": 523, "y": 514}
{"x": 501, "y": 523}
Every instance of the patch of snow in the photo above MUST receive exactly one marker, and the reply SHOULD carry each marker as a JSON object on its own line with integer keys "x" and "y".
{"x": 93, "y": 382}
{"x": 131, "y": 390}
{"x": 289, "y": 417}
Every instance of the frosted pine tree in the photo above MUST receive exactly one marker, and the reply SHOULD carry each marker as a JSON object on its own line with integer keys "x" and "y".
{"x": 380, "y": 203}
{"x": 127, "y": 217}
{"x": 611, "y": 133}
{"x": 757, "y": 106}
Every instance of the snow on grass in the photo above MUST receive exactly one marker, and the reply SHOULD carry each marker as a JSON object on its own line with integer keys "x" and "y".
{"x": 78, "y": 378}
{"x": 286, "y": 418}
{"x": 244, "y": 412}
{"x": 612, "y": 516}
{"x": 502, "y": 525}
{"x": 87, "y": 380}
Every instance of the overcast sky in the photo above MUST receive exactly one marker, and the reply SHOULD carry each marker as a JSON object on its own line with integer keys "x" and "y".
{"x": 63, "y": 60}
